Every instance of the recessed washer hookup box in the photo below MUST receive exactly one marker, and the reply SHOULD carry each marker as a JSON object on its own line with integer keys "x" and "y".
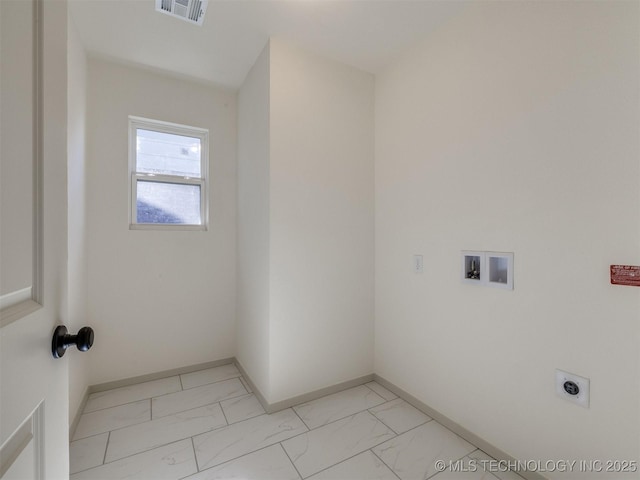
{"x": 625, "y": 275}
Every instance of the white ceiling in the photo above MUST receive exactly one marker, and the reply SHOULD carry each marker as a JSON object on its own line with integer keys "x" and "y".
{"x": 364, "y": 33}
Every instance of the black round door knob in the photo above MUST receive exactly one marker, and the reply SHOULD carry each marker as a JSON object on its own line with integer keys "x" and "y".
{"x": 62, "y": 340}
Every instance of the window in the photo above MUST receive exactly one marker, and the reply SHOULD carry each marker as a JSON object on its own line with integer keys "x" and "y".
{"x": 168, "y": 165}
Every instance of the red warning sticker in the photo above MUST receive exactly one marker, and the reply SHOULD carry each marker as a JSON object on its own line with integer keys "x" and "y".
{"x": 625, "y": 275}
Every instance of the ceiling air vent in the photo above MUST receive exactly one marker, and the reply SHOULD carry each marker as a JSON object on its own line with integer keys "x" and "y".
{"x": 189, "y": 10}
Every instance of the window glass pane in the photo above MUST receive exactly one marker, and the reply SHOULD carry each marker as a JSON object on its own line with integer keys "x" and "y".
{"x": 167, "y": 154}
{"x": 168, "y": 203}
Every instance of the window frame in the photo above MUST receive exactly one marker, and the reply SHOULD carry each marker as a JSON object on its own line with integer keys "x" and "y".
{"x": 136, "y": 123}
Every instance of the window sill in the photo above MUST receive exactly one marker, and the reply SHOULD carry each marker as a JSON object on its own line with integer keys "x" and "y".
{"x": 167, "y": 227}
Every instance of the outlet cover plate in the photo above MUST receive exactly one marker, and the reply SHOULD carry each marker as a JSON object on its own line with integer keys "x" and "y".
{"x": 582, "y": 397}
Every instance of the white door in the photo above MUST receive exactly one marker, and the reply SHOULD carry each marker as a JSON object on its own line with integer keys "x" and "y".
{"x": 34, "y": 422}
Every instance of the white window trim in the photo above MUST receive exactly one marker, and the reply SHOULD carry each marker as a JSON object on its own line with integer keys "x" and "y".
{"x": 177, "y": 129}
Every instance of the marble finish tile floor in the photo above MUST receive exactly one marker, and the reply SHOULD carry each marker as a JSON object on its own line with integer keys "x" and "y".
{"x": 208, "y": 425}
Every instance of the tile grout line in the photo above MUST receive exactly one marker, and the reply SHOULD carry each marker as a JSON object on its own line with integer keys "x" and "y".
{"x": 336, "y": 393}
{"x": 116, "y": 406}
{"x": 163, "y": 445}
{"x": 384, "y": 400}
{"x": 292, "y": 464}
{"x": 112, "y": 429}
{"x": 106, "y": 447}
{"x": 423, "y": 424}
{"x": 242, "y": 419}
{"x": 104, "y": 392}
{"x": 320, "y": 426}
{"x": 370, "y": 388}
{"x": 381, "y": 421}
{"x": 384, "y": 463}
{"x": 301, "y": 433}
{"x": 154, "y": 419}
{"x": 341, "y": 418}
{"x": 198, "y": 386}
{"x": 262, "y": 448}
{"x": 88, "y": 436}
{"x": 339, "y": 463}
{"x": 295, "y": 436}
{"x": 350, "y": 458}
{"x": 395, "y": 435}
{"x": 373, "y": 381}
{"x": 252, "y": 418}
{"x": 211, "y": 383}
{"x": 192, "y": 408}
{"x": 185, "y": 438}
{"x": 237, "y": 458}
{"x": 243, "y": 455}
{"x": 336, "y": 464}
{"x": 174, "y": 440}
{"x": 303, "y": 422}
{"x": 195, "y": 457}
{"x": 245, "y": 384}
{"x": 239, "y": 421}
{"x": 160, "y": 395}
{"x": 224, "y": 415}
{"x": 400, "y": 433}
{"x": 129, "y": 456}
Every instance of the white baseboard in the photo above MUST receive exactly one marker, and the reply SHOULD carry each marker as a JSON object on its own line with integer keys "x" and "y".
{"x": 76, "y": 418}
{"x": 101, "y": 387}
{"x": 306, "y": 397}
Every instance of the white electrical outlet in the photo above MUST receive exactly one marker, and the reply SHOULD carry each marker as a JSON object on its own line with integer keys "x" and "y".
{"x": 418, "y": 264}
{"x": 573, "y": 388}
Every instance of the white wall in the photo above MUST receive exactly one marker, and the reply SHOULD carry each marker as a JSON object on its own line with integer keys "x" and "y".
{"x": 157, "y": 299}
{"x": 321, "y": 222}
{"x": 305, "y": 223}
{"x": 252, "y": 349}
{"x": 76, "y": 210}
{"x": 515, "y": 128}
